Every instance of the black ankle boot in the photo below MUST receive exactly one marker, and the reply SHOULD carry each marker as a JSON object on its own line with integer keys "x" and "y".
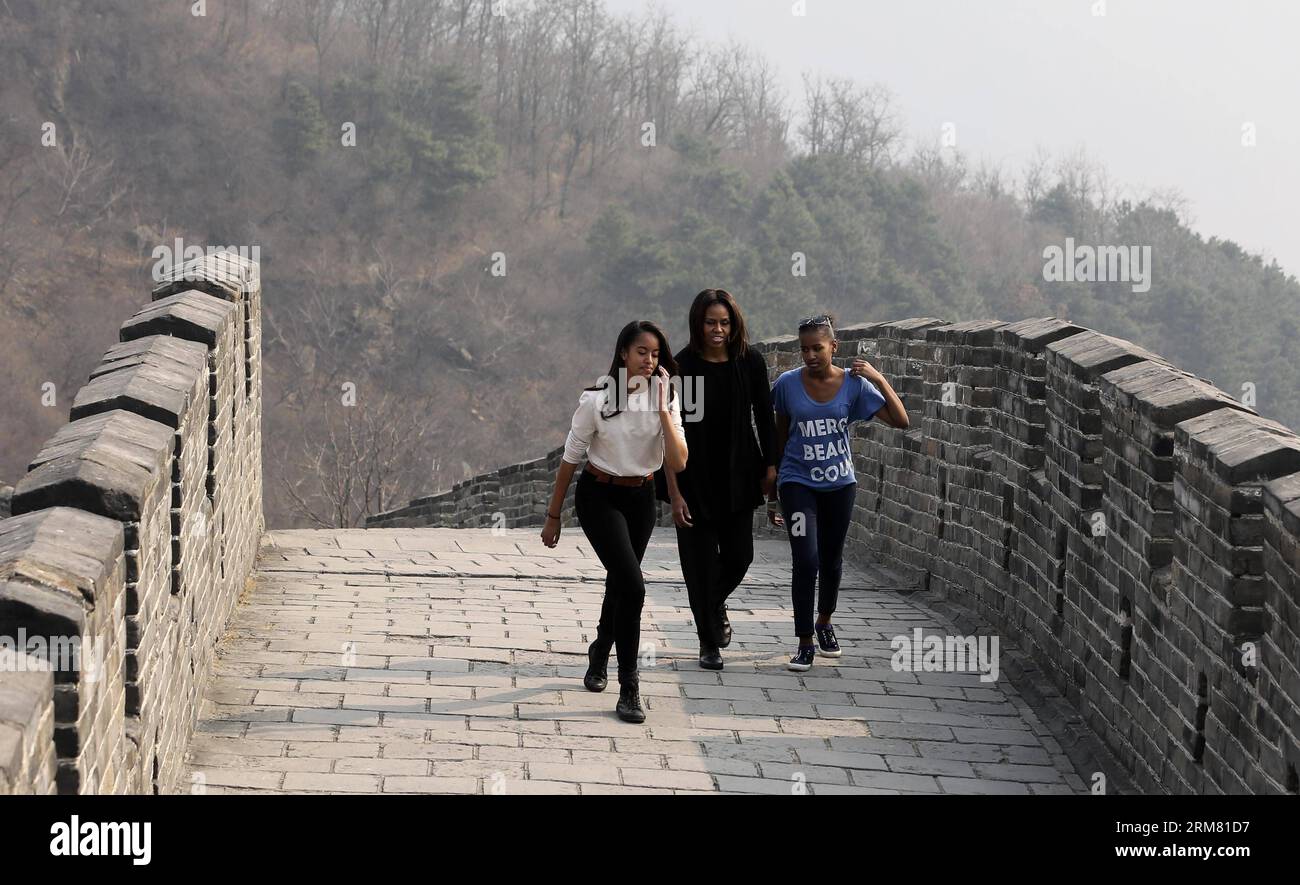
{"x": 723, "y": 624}
{"x": 709, "y": 658}
{"x": 629, "y": 699}
{"x": 597, "y": 660}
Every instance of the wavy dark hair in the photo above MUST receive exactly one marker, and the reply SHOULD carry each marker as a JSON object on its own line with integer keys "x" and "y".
{"x": 630, "y": 333}
{"x": 738, "y": 343}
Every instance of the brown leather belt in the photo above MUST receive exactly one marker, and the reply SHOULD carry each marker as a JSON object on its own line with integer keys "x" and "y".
{"x": 634, "y": 481}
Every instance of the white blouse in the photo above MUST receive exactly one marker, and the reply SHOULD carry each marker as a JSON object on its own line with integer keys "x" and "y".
{"x": 630, "y": 444}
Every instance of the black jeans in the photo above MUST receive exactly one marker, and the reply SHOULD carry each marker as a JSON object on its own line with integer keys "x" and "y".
{"x": 618, "y": 521}
{"x": 715, "y": 555}
{"x": 822, "y": 518}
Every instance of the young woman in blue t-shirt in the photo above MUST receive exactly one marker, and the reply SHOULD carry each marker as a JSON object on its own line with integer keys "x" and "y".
{"x": 815, "y": 482}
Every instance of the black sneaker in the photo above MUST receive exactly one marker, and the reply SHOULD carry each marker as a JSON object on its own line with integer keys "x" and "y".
{"x": 826, "y": 639}
{"x": 804, "y": 659}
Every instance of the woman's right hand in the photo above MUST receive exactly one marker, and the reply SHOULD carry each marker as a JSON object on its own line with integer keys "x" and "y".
{"x": 681, "y": 513}
{"x": 775, "y": 518}
{"x": 663, "y": 382}
{"x": 551, "y": 532}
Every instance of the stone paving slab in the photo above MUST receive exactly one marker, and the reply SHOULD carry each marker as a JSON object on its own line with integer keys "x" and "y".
{"x": 451, "y": 661}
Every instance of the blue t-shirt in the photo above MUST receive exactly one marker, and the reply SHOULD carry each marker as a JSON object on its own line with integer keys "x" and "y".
{"x": 817, "y": 453}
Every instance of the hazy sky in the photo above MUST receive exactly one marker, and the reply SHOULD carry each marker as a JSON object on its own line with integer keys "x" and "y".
{"x": 1157, "y": 91}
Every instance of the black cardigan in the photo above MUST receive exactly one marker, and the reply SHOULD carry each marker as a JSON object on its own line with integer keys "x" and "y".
{"x": 751, "y": 457}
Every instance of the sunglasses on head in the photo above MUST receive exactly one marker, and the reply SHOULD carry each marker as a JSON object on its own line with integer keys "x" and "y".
{"x": 811, "y": 322}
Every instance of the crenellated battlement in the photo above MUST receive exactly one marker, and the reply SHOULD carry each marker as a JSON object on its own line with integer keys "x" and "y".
{"x": 132, "y": 536}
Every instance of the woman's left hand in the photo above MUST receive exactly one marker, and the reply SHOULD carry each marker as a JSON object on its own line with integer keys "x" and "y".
{"x": 865, "y": 369}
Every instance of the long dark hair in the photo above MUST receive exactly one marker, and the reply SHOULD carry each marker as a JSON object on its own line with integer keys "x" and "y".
{"x": 738, "y": 343}
{"x": 630, "y": 333}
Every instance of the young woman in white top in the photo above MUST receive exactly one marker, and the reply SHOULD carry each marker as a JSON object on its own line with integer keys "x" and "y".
{"x": 628, "y": 426}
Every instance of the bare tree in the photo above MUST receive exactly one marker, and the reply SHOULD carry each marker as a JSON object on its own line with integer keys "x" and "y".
{"x": 528, "y": 77}
{"x": 943, "y": 171}
{"x": 315, "y": 331}
{"x": 582, "y": 39}
{"x": 710, "y": 99}
{"x": 368, "y": 457}
{"x": 72, "y": 171}
{"x": 664, "y": 68}
{"x": 497, "y": 315}
{"x": 321, "y": 20}
{"x": 234, "y": 32}
{"x": 815, "y": 130}
{"x": 882, "y": 134}
{"x": 425, "y": 26}
{"x": 1035, "y": 184}
{"x": 763, "y": 110}
{"x": 1090, "y": 189}
{"x": 990, "y": 181}
{"x": 852, "y": 121}
{"x": 735, "y": 101}
{"x": 379, "y": 20}
{"x": 15, "y": 184}
{"x": 1171, "y": 199}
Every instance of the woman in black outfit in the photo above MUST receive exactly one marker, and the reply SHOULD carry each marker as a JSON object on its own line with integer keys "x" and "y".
{"x": 628, "y": 426}
{"x": 731, "y": 472}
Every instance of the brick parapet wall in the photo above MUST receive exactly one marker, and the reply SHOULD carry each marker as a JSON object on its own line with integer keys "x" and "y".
{"x": 132, "y": 536}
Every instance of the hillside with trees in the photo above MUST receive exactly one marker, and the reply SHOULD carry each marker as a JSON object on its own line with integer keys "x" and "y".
{"x": 456, "y": 211}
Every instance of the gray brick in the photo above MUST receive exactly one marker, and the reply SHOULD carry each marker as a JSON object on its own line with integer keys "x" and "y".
{"x": 982, "y": 786}
{"x": 837, "y": 758}
{"x": 908, "y": 783}
{"x": 995, "y": 736}
{"x": 454, "y": 785}
{"x": 303, "y": 782}
{"x": 768, "y": 786}
{"x": 1026, "y": 773}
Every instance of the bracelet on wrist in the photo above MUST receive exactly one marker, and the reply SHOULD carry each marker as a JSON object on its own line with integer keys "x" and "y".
{"x": 549, "y": 516}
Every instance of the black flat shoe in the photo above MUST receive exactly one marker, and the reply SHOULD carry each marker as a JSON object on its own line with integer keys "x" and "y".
{"x": 629, "y": 703}
{"x": 724, "y": 628}
{"x": 710, "y": 659}
{"x": 597, "y": 677}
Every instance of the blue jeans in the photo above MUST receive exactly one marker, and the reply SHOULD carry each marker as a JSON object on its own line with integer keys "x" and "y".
{"x": 817, "y": 522}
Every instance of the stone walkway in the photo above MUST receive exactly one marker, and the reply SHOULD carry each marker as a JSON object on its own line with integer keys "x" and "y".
{"x": 450, "y": 661}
